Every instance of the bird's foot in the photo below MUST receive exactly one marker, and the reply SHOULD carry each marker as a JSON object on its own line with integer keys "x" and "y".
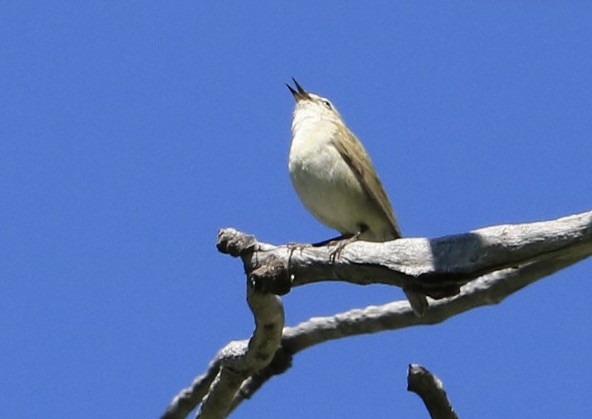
{"x": 340, "y": 244}
{"x": 292, "y": 247}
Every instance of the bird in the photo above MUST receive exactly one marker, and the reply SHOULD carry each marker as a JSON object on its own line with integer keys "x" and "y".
{"x": 334, "y": 178}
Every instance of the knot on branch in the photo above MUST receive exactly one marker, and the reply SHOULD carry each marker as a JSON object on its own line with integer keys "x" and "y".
{"x": 272, "y": 277}
{"x": 235, "y": 243}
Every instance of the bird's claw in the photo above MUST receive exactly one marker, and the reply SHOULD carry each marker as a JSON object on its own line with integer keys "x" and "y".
{"x": 292, "y": 247}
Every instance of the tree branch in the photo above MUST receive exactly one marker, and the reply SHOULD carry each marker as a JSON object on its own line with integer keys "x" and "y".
{"x": 436, "y": 267}
{"x": 431, "y": 390}
{"x": 500, "y": 260}
{"x": 487, "y": 290}
{"x": 236, "y": 362}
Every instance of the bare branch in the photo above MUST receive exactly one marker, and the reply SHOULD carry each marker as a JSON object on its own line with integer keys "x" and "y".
{"x": 487, "y": 290}
{"x": 436, "y": 267}
{"x": 501, "y": 259}
{"x": 236, "y": 362}
{"x": 190, "y": 397}
{"x": 240, "y": 362}
{"x": 431, "y": 390}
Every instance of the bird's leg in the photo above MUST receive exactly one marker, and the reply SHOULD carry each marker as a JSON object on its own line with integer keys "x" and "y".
{"x": 334, "y": 240}
{"x": 292, "y": 247}
{"x": 341, "y": 241}
{"x": 345, "y": 239}
{"x": 340, "y": 245}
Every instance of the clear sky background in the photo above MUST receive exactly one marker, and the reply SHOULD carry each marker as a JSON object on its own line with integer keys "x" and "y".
{"x": 131, "y": 132}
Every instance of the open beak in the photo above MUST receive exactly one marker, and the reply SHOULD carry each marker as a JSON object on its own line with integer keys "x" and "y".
{"x": 298, "y": 93}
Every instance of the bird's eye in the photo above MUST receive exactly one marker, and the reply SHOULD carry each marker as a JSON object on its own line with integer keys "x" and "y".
{"x": 327, "y": 104}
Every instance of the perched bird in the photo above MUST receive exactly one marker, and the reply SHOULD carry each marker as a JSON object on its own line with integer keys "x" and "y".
{"x": 335, "y": 180}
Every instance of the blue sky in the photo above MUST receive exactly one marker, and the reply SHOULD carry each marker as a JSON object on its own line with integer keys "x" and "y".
{"x": 131, "y": 132}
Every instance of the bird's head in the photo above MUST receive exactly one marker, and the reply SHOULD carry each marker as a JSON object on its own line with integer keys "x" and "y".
{"x": 309, "y": 105}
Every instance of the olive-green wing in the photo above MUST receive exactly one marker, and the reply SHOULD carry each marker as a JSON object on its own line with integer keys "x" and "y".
{"x": 355, "y": 155}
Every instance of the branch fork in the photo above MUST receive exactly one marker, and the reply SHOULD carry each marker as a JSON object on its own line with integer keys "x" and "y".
{"x": 458, "y": 272}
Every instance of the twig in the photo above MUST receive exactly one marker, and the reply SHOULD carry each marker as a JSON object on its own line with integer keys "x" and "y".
{"x": 431, "y": 390}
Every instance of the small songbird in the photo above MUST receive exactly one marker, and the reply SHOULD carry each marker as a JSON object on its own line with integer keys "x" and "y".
{"x": 335, "y": 180}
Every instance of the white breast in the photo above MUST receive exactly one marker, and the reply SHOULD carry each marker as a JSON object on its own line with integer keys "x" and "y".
{"x": 323, "y": 180}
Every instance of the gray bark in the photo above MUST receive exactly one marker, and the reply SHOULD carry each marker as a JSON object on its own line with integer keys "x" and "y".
{"x": 459, "y": 272}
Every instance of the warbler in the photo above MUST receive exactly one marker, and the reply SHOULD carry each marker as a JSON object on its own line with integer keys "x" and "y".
{"x": 335, "y": 179}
